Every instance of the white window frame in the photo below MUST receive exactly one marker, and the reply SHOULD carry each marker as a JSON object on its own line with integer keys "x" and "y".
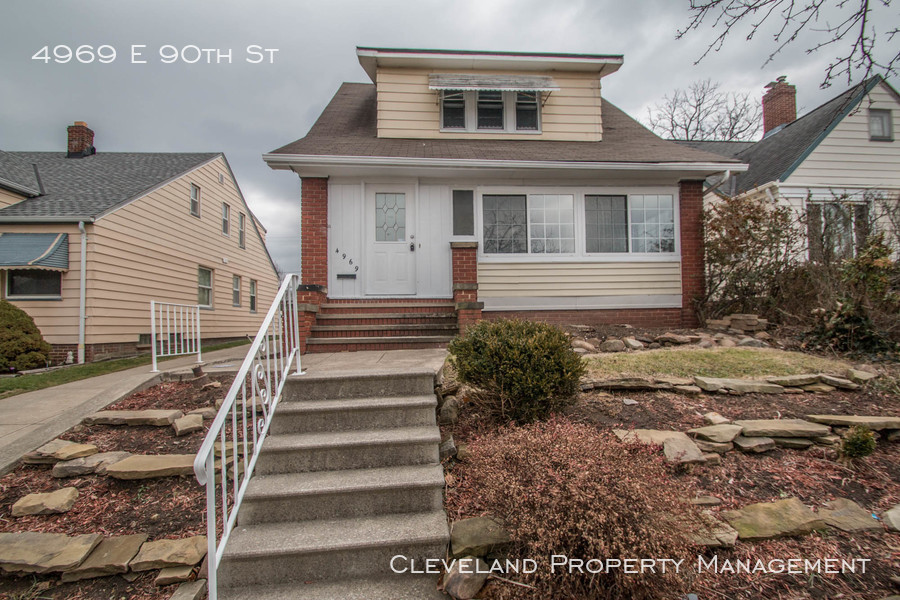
{"x": 194, "y": 187}
{"x": 509, "y": 115}
{"x": 253, "y": 298}
{"x": 236, "y": 290}
{"x": 465, "y": 238}
{"x": 7, "y": 276}
{"x": 888, "y": 117}
{"x": 202, "y": 287}
{"x": 242, "y": 230}
{"x": 226, "y": 219}
{"x": 580, "y": 254}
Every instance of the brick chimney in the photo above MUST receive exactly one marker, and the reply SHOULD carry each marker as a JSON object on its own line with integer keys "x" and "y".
{"x": 81, "y": 140}
{"x": 779, "y": 104}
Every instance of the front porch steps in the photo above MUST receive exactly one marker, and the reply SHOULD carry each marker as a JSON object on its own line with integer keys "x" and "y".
{"x": 383, "y": 325}
{"x": 348, "y": 478}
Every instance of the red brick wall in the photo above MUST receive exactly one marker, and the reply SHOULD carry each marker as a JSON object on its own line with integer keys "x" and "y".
{"x": 692, "y": 253}
{"x": 779, "y": 105}
{"x": 80, "y": 138}
{"x": 314, "y": 231}
{"x": 639, "y": 317}
{"x": 465, "y": 274}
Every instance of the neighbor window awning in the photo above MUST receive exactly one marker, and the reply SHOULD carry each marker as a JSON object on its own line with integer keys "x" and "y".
{"x": 501, "y": 83}
{"x": 48, "y": 251}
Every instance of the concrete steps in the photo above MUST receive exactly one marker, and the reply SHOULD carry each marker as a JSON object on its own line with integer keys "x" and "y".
{"x": 348, "y": 478}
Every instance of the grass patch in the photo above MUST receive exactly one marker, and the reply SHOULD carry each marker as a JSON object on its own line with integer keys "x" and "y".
{"x": 10, "y": 386}
{"x": 718, "y": 362}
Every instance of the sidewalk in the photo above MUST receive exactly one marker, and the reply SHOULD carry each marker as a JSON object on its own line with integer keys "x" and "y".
{"x": 30, "y": 420}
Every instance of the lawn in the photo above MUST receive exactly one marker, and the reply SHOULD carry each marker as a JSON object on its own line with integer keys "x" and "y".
{"x": 10, "y": 386}
{"x": 716, "y": 362}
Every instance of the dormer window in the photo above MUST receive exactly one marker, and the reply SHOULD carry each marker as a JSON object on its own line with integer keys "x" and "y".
{"x": 490, "y": 110}
{"x": 453, "y": 109}
{"x": 527, "y": 111}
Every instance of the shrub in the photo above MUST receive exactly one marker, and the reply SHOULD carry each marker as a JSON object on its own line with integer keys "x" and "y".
{"x": 524, "y": 370}
{"x": 859, "y": 442}
{"x": 567, "y": 489}
{"x": 21, "y": 344}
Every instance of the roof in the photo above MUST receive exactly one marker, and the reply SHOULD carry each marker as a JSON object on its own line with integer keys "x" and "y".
{"x": 82, "y": 189}
{"x": 17, "y": 175}
{"x": 778, "y": 154}
{"x": 729, "y": 149}
{"x": 347, "y": 128}
{"x": 34, "y": 251}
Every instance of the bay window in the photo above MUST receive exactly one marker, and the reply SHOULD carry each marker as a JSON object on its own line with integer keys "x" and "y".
{"x": 652, "y": 224}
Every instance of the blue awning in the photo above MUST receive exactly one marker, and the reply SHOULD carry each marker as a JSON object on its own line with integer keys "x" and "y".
{"x": 34, "y": 251}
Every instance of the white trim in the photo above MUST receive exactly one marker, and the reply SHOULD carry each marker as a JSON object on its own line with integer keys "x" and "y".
{"x": 211, "y": 287}
{"x": 7, "y": 278}
{"x": 516, "y": 303}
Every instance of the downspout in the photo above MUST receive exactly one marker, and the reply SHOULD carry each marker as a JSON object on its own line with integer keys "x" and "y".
{"x": 82, "y": 293}
{"x": 725, "y": 178}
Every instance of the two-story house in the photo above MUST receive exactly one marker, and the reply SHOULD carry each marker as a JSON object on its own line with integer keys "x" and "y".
{"x": 466, "y": 185}
{"x": 88, "y": 239}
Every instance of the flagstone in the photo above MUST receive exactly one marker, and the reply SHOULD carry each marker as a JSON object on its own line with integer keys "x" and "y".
{"x": 32, "y": 552}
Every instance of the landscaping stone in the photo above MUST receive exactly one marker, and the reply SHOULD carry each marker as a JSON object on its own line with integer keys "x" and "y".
{"x": 712, "y": 459}
{"x": 754, "y": 444}
{"x": 645, "y": 436}
{"x": 714, "y": 418}
{"x": 466, "y": 577}
{"x": 633, "y": 344}
{"x": 719, "y": 448}
{"x": 891, "y": 518}
{"x": 705, "y": 501}
{"x": 207, "y": 412}
{"x": 150, "y": 466}
{"x": 57, "y": 450}
{"x": 690, "y": 390}
{"x": 158, "y": 418}
{"x": 171, "y": 575}
{"x": 586, "y": 346}
{"x": 768, "y": 520}
{"x": 727, "y": 343}
{"x": 462, "y": 452}
{"x": 682, "y": 450}
{"x": 187, "y": 424}
{"x": 838, "y": 382}
{"x": 31, "y": 552}
{"x": 612, "y": 346}
{"x": 448, "y": 448}
{"x": 794, "y": 390}
{"x": 193, "y": 590}
{"x": 793, "y": 443}
{"x": 632, "y": 384}
{"x": 893, "y": 436}
{"x": 750, "y": 342}
{"x": 746, "y": 386}
{"x": 477, "y": 537}
{"x": 859, "y": 376}
{"x": 794, "y": 380}
{"x": 848, "y": 516}
{"x": 782, "y": 428}
{"x": 449, "y": 411}
{"x": 827, "y": 440}
{"x": 170, "y": 553}
{"x": 629, "y": 402}
{"x": 50, "y": 503}
{"x": 818, "y": 388}
{"x": 673, "y": 338}
{"x": 722, "y": 434}
{"x": 212, "y": 385}
{"x": 714, "y": 533}
{"x": 95, "y": 463}
{"x": 873, "y": 423}
{"x": 580, "y": 351}
{"x": 111, "y": 556}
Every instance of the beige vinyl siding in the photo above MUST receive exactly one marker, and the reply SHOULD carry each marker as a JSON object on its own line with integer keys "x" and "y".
{"x": 846, "y": 158}
{"x": 57, "y": 319}
{"x": 151, "y": 249}
{"x": 408, "y": 109}
{"x": 507, "y": 280}
{"x": 8, "y": 198}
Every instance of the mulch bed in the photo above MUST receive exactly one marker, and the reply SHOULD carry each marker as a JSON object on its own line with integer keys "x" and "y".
{"x": 170, "y": 507}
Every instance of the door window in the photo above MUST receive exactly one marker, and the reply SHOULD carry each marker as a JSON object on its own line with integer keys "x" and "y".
{"x": 390, "y": 217}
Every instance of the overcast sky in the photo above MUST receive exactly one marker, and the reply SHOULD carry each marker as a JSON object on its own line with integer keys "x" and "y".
{"x": 245, "y": 109}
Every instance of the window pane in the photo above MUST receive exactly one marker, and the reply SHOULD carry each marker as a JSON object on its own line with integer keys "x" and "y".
{"x": 504, "y": 224}
{"x": 204, "y": 287}
{"x": 35, "y": 283}
{"x": 837, "y": 230}
{"x": 652, "y": 223}
{"x": 463, "y": 212}
{"x": 195, "y": 200}
{"x": 527, "y": 110}
{"x": 390, "y": 217}
{"x": 880, "y": 124}
{"x": 606, "y": 224}
{"x": 552, "y": 223}
{"x": 454, "y": 110}
{"x": 490, "y": 110}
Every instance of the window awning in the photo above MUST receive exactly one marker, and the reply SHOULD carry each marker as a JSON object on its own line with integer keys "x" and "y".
{"x": 48, "y": 251}
{"x": 501, "y": 83}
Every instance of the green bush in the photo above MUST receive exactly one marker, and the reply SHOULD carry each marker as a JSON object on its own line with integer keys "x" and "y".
{"x": 21, "y": 344}
{"x": 858, "y": 443}
{"x": 523, "y": 370}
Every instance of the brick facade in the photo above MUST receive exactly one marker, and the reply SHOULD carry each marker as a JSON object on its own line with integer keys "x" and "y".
{"x": 638, "y": 317}
{"x": 779, "y": 104}
{"x": 314, "y": 253}
{"x": 692, "y": 250}
{"x": 80, "y": 139}
{"x": 95, "y": 352}
{"x": 465, "y": 283}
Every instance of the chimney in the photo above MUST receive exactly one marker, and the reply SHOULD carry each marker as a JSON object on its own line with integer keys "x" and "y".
{"x": 779, "y": 104}
{"x": 81, "y": 140}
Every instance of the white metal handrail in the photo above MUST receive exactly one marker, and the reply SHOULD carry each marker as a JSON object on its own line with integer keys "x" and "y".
{"x": 174, "y": 330}
{"x": 232, "y": 445}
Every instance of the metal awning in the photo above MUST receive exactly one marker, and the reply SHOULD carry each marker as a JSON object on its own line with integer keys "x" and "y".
{"x": 48, "y": 251}
{"x": 497, "y": 83}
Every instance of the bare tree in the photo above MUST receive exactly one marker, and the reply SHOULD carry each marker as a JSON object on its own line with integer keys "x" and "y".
{"x": 853, "y": 35}
{"x": 703, "y": 112}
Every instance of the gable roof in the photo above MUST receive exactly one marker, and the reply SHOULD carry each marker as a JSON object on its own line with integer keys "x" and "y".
{"x": 83, "y": 189}
{"x": 729, "y": 149}
{"x": 347, "y": 128}
{"x": 778, "y": 154}
{"x": 18, "y": 176}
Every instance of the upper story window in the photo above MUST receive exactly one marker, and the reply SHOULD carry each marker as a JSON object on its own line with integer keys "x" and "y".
{"x": 195, "y": 200}
{"x": 242, "y": 226}
{"x": 226, "y": 219}
{"x": 527, "y": 110}
{"x": 491, "y": 111}
{"x": 880, "y": 125}
{"x": 453, "y": 110}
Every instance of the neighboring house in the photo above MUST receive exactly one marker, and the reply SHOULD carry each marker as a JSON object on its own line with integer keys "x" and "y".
{"x": 486, "y": 184}
{"x": 171, "y": 227}
{"x": 838, "y": 163}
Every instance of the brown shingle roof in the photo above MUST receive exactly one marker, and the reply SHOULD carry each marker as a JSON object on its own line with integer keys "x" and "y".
{"x": 347, "y": 127}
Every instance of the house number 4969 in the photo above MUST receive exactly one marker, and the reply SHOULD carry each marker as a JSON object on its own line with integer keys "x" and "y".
{"x": 83, "y": 54}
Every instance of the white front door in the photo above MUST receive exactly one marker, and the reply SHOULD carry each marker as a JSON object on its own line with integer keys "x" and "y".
{"x": 390, "y": 231}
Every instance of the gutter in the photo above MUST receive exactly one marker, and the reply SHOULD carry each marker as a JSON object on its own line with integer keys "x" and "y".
{"x": 19, "y": 189}
{"x": 82, "y": 293}
{"x": 33, "y": 219}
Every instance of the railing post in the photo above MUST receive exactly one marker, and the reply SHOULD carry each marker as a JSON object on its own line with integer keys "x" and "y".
{"x": 295, "y": 313}
{"x": 153, "y": 332}
{"x": 199, "y": 345}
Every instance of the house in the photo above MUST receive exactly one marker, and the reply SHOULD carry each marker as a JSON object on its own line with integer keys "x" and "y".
{"x": 839, "y": 163}
{"x": 88, "y": 239}
{"x": 464, "y": 185}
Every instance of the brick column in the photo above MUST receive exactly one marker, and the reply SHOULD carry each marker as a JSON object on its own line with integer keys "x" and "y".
{"x": 314, "y": 252}
{"x": 690, "y": 204}
{"x": 465, "y": 283}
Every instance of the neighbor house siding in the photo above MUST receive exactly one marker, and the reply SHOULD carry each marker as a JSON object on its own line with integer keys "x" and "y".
{"x": 847, "y": 158}
{"x": 151, "y": 250}
{"x": 408, "y": 109}
{"x": 7, "y": 198}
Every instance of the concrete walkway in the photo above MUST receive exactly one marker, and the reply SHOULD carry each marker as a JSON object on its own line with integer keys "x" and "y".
{"x": 373, "y": 361}
{"x": 30, "y": 420}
